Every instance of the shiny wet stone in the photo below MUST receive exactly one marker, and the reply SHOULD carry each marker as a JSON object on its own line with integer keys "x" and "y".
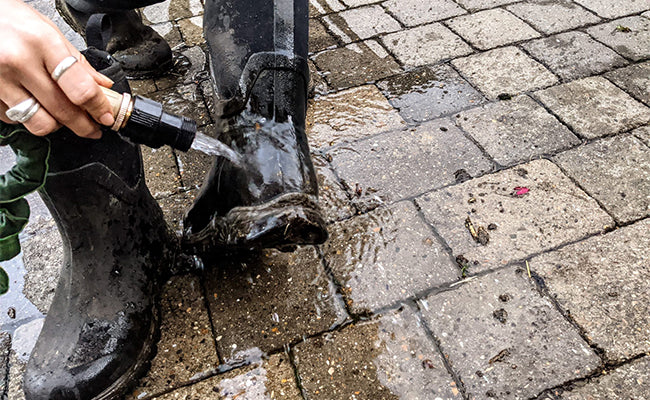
{"x": 184, "y": 100}
{"x": 319, "y": 38}
{"x": 602, "y": 283}
{"x": 332, "y": 198}
{"x": 190, "y": 68}
{"x": 160, "y": 171}
{"x": 594, "y": 107}
{"x": 350, "y": 115}
{"x": 355, "y": 64}
{"x": 387, "y": 358}
{"x": 186, "y": 348}
{"x": 271, "y": 378}
{"x": 614, "y": 9}
{"x": 616, "y": 172}
{"x": 266, "y": 300}
{"x": 631, "y": 42}
{"x": 554, "y": 211}
{"x": 396, "y": 165}
{"x": 369, "y": 21}
{"x": 415, "y": 12}
{"x": 514, "y": 343}
{"x": 426, "y": 44}
{"x": 491, "y": 28}
{"x": 317, "y": 84}
{"x": 505, "y": 70}
{"x": 385, "y": 256}
{"x": 192, "y": 30}
{"x": 553, "y": 16}
{"x": 142, "y": 87}
{"x": 630, "y": 381}
{"x": 574, "y": 55}
{"x": 515, "y": 130}
{"x": 174, "y": 208}
{"x": 429, "y": 92}
{"x": 634, "y": 79}
{"x": 171, "y": 10}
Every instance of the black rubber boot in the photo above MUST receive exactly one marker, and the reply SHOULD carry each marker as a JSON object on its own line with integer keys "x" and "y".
{"x": 258, "y": 59}
{"x": 140, "y": 50}
{"x": 101, "y": 329}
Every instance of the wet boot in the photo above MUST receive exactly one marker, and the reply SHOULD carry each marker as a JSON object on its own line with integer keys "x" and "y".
{"x": 140, "y": 50}
{"x": 101, "y": 329}
{"x": 258, "y": 60}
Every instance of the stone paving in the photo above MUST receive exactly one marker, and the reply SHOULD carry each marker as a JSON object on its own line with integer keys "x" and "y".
{"x": 484, "y": 166}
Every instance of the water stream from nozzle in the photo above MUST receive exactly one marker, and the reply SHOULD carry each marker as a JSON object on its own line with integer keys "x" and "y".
{"x": 211, "y": 146}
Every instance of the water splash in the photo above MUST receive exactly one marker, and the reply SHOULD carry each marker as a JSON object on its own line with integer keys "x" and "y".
{"x": 211, "y": 146}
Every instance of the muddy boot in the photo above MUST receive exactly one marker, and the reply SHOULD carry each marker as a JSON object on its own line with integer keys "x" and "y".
{"x": 101, "y": 329}
{"x": 258, "y": 60}
{"x": 140, "y": 50}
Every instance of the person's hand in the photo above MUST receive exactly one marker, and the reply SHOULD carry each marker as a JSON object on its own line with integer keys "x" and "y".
{"x": 31, "y": 48}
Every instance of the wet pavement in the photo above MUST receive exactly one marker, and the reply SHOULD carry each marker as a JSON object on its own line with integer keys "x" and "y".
{"x": 483, "y": 166}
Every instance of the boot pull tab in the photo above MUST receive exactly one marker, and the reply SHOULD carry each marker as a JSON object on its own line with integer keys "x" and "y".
{"x": 98, "y": 31}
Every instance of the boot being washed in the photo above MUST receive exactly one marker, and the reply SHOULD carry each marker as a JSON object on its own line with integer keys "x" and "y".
{"x": 258, "y": 51}
{"x": 140, "y": 50}
{"x": 101, "y": 329}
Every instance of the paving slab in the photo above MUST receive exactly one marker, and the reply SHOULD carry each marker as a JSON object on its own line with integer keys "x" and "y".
{"x": 160, "y": 171}
{"x": 192, "y": 30}
{"x": 594, "y": 107}
{"x": 171, "y": 10}
{"x": 429, "y": 92}
{"x": 42, "y": 258}
{"x": 339, "y": 28}
{"x": 356, "y": 64}
{"x": 426, "y": 44}
{"x": 635, "y": 80}
{"x": 388, "y": 358}
{"x": 643, "y": 133}
{"x": 184, "y": 100}
{"x": 629, "y": 381}
{"x": 174, "y": 208}
{"x": 270, "y": 379}
{"x": 491, "y": 28}
{"x": 186, "y": 348}
{"x": 370, "y": 21}
{"x": 630, "y": 36}
{"x": 319, "y": 7}
{"x": 396, "y": 165}
{"x": 553, "y": 212}
{"x": 16, "y": 371}
{"x": 350, "y": 115}
{"x": 386, "y": 256}
{"x": 170, "y": 32}
{"x": 553, "y": 16}
{"x": 504, "y": 340}
{"x": 504, "y": 71}
{"x": 332, "y": 197}
{"x": 602, "y": 283}
{"x": 266, "y": 300}
{"x": 414, "y": 12}
{"x": 319, "y": 38}
{"x": 473, "y": 5}
{"x": 5, "y": 349}
{"x": 190, "y": 67}
{"x": 142, "y": 87}
{"x": 194, "y": 166}
{"x": 574, "y": 55}
{"x": 616, "y": 172}
{"x": 516, "y": 130}
{"x": 317, "y": 84}
{"x": 614, "y": 9}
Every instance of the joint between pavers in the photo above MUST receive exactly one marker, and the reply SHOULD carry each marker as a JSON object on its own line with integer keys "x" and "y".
{"x": 613, "y": 82}
{"x": 213, "y": 329}
{"x": 340, "y": 298}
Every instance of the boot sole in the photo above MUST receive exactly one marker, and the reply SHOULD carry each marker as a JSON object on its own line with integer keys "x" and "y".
{"x": 284, "y": 222}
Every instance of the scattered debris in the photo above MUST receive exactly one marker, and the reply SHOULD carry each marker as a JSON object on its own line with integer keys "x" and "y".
{"x": 471, "y": 200}
{"x": 499, "y": 357}
{"x": 504, "y": 297}
{"x": 462, "y": 175}
{"x": 500, "y": 315}
{"x": 11, "y": 312}
{"x": 528, "y": 268}
{"x": 504, "y": 96}
{"x": 470, "y": 228}
{"x": 492, "y": 227}
{"x": 427, "y": 364}
{"x": 463, "y": 264}
{"x": 471, "y": 278}
{"x": 624, "y": 29}
{"x": 442, "y": 128}
{"x": 479, "y": 235}
{"x": 520, "y": 191}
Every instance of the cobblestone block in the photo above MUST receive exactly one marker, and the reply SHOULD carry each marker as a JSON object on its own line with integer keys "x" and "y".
{"x": 42, "y": 258}
{"x": 514, "y": 343}
{"x": 504, "y": 71}
{"x": 396, "y": 165}
{"x": 332, "y": 197}
{"x": 426, "y": 44}
{"x": 170, "y": 32}
{"x": 491, "y": 28}
{"x": 628, "y": 36}
{"x": 614, "y": 9}
{"x": 473, "y": 5}
{"x": 319, "y": 38}
{"x": 15, "y": 382}
{"x": 142, "y": 87}
{"x": 370, "y": 21}
{"x": 317, "y": 84}
{"x": 415, "y": 12}
{"x": 516, "y": 130}
{"x": 171, "y": 10}
{"x": 385, "y": 256}
{"x": 174, "y": 208}
{"x": 190, "y": 67}
{"x": 192, "y": 30}
{"x": 574, "y": 55}
{"x": 186, "y": 347}
{"x": 519, "y": 224}
{"x": 429, "y": 92}
{"x": 643, "y": 133}
{"x": 594, "y": 107}
{"x": 553, "y": 16}
{"x": 350, "y": 115}
{"x": 5, "y": 349}
{"x": 616, "y": 172}
{"x": 266, "y": 300}
{"x": 184, "y": 100}
{"x": 602, "y": 282}
{"x": 386, "y": 359}
{"x": 629, "y": 381}
{"x": 337, "y": 25}
{"x": 356, "y": 64}
{"x": 160, "y": 171}
{"x": 268, "y": 379}
{"x": 634, "y": 79}
{"x": 319, "y": 7}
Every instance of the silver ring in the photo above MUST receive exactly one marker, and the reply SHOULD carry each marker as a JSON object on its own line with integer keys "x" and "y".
{"x": 23, "y": 111}
{"x": 63, "y": 66}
